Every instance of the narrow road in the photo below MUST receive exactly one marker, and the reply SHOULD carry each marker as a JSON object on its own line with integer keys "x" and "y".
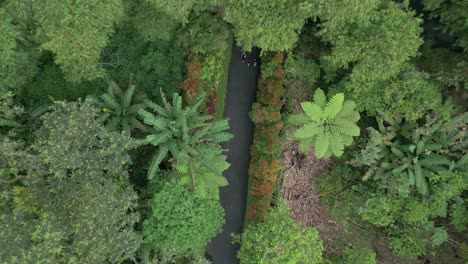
{"x": 241, "y": 90}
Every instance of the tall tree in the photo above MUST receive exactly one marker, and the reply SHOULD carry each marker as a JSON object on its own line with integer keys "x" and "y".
{"x": 18, "y": 56}
{"x": 66, "y": 198}
{"x": 272, "y": 26}
{"x": 373, "y": 48}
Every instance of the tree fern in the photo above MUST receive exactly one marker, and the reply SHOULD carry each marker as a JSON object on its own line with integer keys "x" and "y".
{"x": 118, "y": 110}
{"x": 328, "y": 126}
{"x": 182, "y": 133}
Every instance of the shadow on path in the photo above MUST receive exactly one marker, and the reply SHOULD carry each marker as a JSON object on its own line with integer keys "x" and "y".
{"x": 241, "y": 90}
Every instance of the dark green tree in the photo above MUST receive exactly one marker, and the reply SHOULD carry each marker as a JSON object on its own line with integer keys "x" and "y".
{"x": 67, "y": 197}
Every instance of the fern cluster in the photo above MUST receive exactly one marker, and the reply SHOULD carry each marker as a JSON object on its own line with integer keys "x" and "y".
{"x": 328, "y": 126}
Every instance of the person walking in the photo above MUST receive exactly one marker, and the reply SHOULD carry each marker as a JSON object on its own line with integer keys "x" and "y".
{"x": 254, "y": 62}
{"x": 243, "y": 56}
{"x": 248, "y": 62}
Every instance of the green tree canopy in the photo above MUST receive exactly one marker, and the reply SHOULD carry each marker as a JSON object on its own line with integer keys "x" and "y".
{"x": 67, "y": 198}
{"x": 375, "y": 48}
{"x": 272, "y": 26}
{"x": 279, "y": 239}
{"x": 182, "y": 222}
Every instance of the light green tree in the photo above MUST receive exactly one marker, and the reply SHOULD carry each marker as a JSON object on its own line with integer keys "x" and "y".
{"x": 74, "y": 31}
{"x": 273, "y": 27}
{"x": 279, "y": 239}
{"x": 328, "y": 126}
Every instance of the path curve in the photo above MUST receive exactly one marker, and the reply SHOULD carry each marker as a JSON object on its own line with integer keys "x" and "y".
{"x": 241, "y": 91}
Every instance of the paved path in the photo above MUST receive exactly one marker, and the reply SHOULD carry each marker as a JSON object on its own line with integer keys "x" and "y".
{"x": 241, "y": 90}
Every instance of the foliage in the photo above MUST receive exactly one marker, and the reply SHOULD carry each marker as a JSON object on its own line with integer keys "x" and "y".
{"x": 50, "y": 85}
{"x": 118, "y": 109}
{"x": 150, "y": 22}
{"x": 300, "y": 68}
{"x": 411, "y": 93}
{"x": 356, "y": 256}
{"x": 206, "y": 32}
{"x": 406, "y": 156}
{"x": 453, "y": 15}
{"x": 130, "y": 60}
{"x": 272, "y": 27}
{"x": 328, "y": 126}
{"x": 71, "y": 139}
{"x": 375, "y": 48}
{"x": 9, "y": 112}
{"x": 264, "y": 165}
{"x": 191, "y": 86}
{"x": 279, "y": 240}
{"x": 67, "y": 198}
{"x": 17, "y": 57}
{"x": 197, "y": 176}
{"x": 76, "y": 33}
{"x": 182, "y": 132}
{"x": 182, "y": 222}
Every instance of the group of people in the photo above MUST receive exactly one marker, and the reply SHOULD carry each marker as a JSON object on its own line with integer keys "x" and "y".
{"x": 249, "y": 61}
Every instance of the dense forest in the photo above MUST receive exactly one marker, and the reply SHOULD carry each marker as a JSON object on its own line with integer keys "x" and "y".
{"x": 112, "y": 130}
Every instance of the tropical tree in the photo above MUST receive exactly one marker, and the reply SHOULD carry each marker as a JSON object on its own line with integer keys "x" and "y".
{"x": 406, "y": 155}
{"x": 118, "y": 110}
{"x": 183, "y": 132}
{"x": 329, "y": 127}
{"x": 279, "y": 239}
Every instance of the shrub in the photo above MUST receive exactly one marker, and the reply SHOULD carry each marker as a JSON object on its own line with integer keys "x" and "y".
{"x": 265, "y": 150}
{"x": 181, "y": 223}
{"x": 279, "y": 239}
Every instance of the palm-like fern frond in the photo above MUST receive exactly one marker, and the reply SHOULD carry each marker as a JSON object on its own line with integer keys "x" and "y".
{"x": 328, "y": 126}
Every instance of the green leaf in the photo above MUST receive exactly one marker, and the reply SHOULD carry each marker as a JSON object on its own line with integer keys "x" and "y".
{"x": 420, "y": 147}
{"x": 321, "y": 144}
{"x": 336, "y": 144}
{"x": 157, "y": 159}
{"x": 313, "y": 111}
{"x": 320, "y": 98}
{"x": 127, "y": 98}
{"x": 398, "y": 153}
{"x": 306, "y": 131}
{"x": 334, "y": 106}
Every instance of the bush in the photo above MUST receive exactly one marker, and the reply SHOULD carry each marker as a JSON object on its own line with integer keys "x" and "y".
{"x": 279, "y": 239}
{"x": 266, "y": 148}
{"x": 182, "y": 222}
{"x": 356, "y": 256}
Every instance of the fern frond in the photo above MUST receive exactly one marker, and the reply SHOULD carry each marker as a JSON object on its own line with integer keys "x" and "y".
{"x": 306, "y": 131}
{"x": 319, "y": 98}
{"x": 336, "y": 144}
{"x": 321, "y": 144}
{"x": 334, "y": 106}
{"x": 313, "y": 111}
{"x": 298, "y": 119}
{"x": 306, "y": 144}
